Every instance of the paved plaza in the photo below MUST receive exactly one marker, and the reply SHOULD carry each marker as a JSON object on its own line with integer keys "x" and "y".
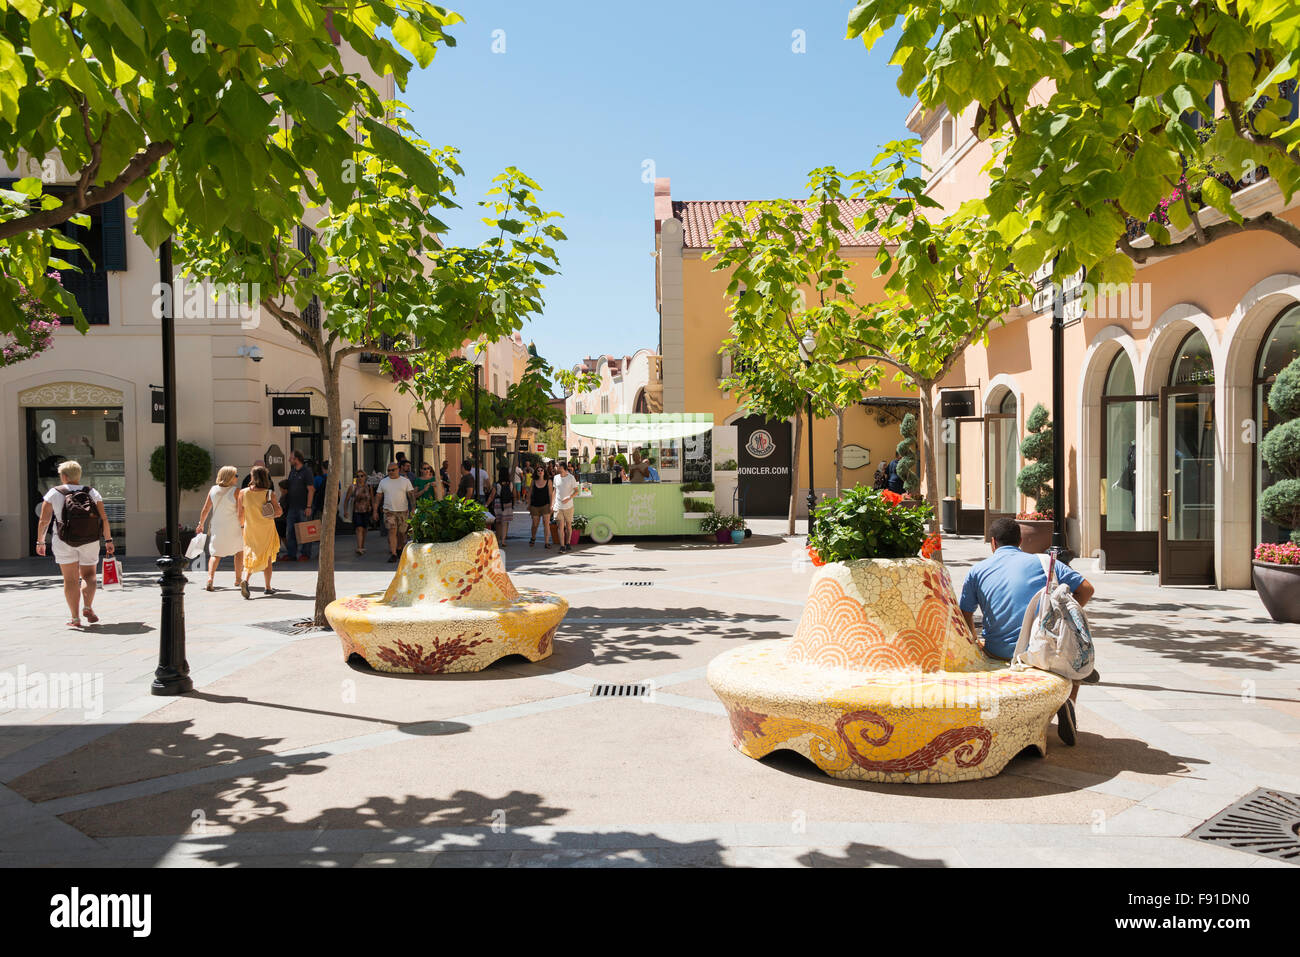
{"x": 286, "y": 755}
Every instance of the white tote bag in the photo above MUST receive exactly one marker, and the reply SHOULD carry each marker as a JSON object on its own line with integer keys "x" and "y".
{"x": 1054, "y": 635}
{"x": 196, "y": 545}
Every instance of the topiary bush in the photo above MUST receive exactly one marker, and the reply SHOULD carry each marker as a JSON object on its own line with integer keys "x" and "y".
{"x": 193, "y": 465}
{"x": 906, "y": 449}
{"x": 1280, "y": 502}
{"x": 448, "y": 520}
{"x": 1035, "y": 479}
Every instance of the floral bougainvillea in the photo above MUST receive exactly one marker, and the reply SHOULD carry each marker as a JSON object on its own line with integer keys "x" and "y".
{"x": 41, "y": 323}
{"x": 400, "y": 369}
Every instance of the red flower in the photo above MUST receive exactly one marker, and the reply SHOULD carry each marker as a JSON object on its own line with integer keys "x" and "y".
{"x": 931, "y": 545}
{"x": 893, "y": 498}
{"x": 816, "y": 559}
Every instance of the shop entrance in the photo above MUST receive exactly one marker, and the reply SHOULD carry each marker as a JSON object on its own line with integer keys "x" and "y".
{"x": 1187, "y": 486}
{"x": 1128, "y": 475}
{"x": 90, "y": 436}
{"x": 1001, "y": 462}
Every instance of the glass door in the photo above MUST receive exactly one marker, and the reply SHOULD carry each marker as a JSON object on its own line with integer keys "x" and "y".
{"x": 1001, "y": 465}
{"x": 1128, "y": 521}
{"x": 1187, "y": 518}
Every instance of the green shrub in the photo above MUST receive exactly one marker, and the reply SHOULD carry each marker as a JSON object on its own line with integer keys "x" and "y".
{"x": 733, "y": 523}
{"x": 696, "y": 505}
{"x": 906, "y": 449}
{"x": 1280, "y": 502}
{"x": 193, "y": 465}
{"x": 697, "y": 486}
{"x": 1035, "y": 479}
{"x": 711, "y": 523}
{"x": 448, "y": 520}
{"x": 729, "y": 465}
{"x": 865, "y": 523}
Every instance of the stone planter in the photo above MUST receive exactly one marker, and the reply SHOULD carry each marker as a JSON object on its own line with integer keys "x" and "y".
{"x": 1279, "y": 589}
{"x": 450, "y": 607}
{"x": 1035, "y": 536}
{"x": 883, "y": 681}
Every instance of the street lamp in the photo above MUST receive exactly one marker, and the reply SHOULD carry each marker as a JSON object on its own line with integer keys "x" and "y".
{"x": 172, "y": 676}
{"x": 806, "y": 346}
{"x": 478, "y": 463}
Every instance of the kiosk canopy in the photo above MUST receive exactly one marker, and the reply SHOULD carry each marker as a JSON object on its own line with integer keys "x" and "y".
{"x": 641, "y": 427}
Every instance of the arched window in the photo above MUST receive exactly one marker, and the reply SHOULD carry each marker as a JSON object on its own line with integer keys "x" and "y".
{"x": 1280, "y": 346}
{"x": 1193, "y": 363}
{"x": 1119, "y": 377}
{"x": 1127, "y": 469}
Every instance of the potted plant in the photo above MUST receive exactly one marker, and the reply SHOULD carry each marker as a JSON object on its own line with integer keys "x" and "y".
{"x": 451, "y": 519}
{"x": 160, "y": 539}
{"x": 1276, "y": 568}
{"x": 579, "y": 526}
{"x": 695, "y": 507}
{"x": 736, "y": 528}
{"x": 866, "y": 524}
{"x": 1035, "y": 481}
{"x": 697, "y": 490}
{"x": 193, "y": 466}
{"x": 715, "y": 524}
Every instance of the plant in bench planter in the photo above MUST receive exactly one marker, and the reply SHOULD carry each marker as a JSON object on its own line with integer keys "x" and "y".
{"x": 446, "y": 520}
{"x": 1276, "y": 568}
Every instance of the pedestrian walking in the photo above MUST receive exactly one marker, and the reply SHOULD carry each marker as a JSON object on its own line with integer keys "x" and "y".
{"x": 297, "y": 507}
{"x": 566, "y": 487}
{"x": 257, "y": 509}
{"x": 361, "y": 497}
{"x": 80, "y": 521}
{"x": 395, "y": 496}
{"x": 540, "y": 494}
{"x": 501, "y": 503}
{"x": 225, "y": 537}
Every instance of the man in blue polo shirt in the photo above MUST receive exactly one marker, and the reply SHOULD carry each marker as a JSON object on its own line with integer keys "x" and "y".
{"x": 1002, "y": 587}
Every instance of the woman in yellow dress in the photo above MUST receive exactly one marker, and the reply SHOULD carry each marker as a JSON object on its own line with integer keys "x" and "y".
{"x": 261, "y": 542}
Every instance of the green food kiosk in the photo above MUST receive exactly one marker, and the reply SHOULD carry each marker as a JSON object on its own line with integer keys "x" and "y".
{"x": 680, "y": 444}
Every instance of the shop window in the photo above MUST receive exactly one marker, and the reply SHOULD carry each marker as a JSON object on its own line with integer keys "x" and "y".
{"x": 1193, "y": 363}
{"x": 1280, "y": 347}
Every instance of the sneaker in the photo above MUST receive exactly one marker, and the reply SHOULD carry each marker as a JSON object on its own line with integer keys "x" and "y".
{"x": 1093, "y": 678}
{"x": 1066, "y": 725}
{"x": 392, "y": 558}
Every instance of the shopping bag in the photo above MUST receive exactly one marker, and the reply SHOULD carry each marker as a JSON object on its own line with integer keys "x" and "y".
{"x": 196, "y": 545}
{"x": 111, "y": 574}
{"x": 307, "y": 531}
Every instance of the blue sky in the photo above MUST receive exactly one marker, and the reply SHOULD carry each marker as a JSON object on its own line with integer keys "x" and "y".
{"x": 710, "y": 91}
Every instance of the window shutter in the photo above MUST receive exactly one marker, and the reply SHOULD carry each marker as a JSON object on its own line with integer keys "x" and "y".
{"x": 113, "y": 232}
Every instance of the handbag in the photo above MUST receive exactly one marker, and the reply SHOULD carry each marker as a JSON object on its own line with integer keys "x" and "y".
{"x": 1054, "y": 635}
{"x": 196, "y": 545}
{"x": 111, "y": 573}
{"x": 268, "y": 507}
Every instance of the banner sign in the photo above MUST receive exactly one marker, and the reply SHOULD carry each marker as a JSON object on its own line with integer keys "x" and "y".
{"x": 290, "y": 410}
{"x": 523, "y": 445}
{"x": 449, "y": 434}
{"x": 158, "y": 407}
{"x": 374, "y": 423}
{"x": 274, "y": 459}
{"x": 498, "y": 442}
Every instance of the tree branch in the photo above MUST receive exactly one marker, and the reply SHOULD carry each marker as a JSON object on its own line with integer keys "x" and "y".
{"x": 1265, "y": 222}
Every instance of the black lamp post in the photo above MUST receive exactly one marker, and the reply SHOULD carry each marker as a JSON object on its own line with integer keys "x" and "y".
{"x": 807, "y": 344}
{"x": 478, "y": 481}
{"x": 172, "y": 676}
{"x": 1059, "y": 299}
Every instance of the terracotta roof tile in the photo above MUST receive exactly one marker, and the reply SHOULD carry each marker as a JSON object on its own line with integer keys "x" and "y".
{"x": 699, "y": 216}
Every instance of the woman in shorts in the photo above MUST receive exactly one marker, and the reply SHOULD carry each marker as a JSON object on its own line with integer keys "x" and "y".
{"x": 76, "y": 562}
{"x": 539, "y": 505}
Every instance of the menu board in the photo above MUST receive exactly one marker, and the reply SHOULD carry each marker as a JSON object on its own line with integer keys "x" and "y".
{"x": 697, "y": 458}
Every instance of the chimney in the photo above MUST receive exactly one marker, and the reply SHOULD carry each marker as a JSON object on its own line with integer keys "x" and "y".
{"x": 663, "y": 202}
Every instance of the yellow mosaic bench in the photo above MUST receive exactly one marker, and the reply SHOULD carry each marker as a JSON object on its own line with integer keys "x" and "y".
{"x": 449, "y": 608}
{"x": 883, "y": 681}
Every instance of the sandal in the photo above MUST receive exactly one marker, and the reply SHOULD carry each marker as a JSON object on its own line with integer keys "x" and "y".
{"x": 243, "y": 589}
{"x": 268, "y": 591}
{"x": 73, "y": 622}
{"x": 90, "y": 616}
{"x": 208, "y": 586}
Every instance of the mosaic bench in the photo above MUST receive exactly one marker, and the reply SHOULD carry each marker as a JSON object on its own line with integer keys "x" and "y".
{"x": 450, "y": 607}
{"x": 883, "y": 681}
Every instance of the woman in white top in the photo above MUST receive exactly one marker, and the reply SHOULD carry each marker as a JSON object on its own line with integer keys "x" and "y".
{"x": 76, "y": 562}
{"x": 226, "y": 537}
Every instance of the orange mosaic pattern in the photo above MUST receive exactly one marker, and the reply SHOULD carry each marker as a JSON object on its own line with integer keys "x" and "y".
{"x": 883, "y": 681}
{"x": 449, "y": 608}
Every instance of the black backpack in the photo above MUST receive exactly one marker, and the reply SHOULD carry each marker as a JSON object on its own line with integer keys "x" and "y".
{"x": 507, "y": 494}
{"x": 80, "y": 523}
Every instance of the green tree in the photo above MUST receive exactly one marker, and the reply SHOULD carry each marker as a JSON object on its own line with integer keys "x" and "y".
{"x": 1092, "y": 108}
{"x": 527, "y": 403}
{"x": 436, "y": 383}
{"x": 1280, "y": 502}
{"x": 186, "y": 106}
{"x": 390, "y": 287}
{"x": 1035, "y": 479}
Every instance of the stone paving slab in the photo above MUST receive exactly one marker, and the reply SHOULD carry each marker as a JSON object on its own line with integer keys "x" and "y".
{"x": 287, "y": 756}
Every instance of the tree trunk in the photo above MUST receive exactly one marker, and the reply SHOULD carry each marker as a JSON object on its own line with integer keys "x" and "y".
{"x": 329, "y": 514}
{"x": 839, "y": 452}
{"x": 927, "y": 452}
{"x": 436, "y": 425}
{"x": 794, "y": 471}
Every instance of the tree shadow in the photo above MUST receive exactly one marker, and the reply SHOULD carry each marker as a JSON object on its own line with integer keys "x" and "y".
{"x": 1230, "y": 650}
{"x": 867, "y": 855}
{"x": 604, "y": 636}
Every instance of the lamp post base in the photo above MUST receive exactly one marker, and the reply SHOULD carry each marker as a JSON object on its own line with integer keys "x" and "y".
{"x": 172, "y": 676}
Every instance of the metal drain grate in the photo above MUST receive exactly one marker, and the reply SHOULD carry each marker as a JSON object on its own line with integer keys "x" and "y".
{"x": 1264, "y": 822}
{"x": 636, "y": 584}
{"x": 635, "y": 689}
{"x": 293, "y": 626}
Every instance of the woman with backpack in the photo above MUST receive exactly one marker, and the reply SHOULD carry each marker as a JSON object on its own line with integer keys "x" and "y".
{"x": 80, "y": 520}
{"x": 258, "y": 510}
{"x": 501, "y": 502}
{"x": 225, "y": 538}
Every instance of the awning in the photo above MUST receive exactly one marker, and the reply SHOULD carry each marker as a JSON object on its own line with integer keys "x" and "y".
{"x": 640, "y": 427}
